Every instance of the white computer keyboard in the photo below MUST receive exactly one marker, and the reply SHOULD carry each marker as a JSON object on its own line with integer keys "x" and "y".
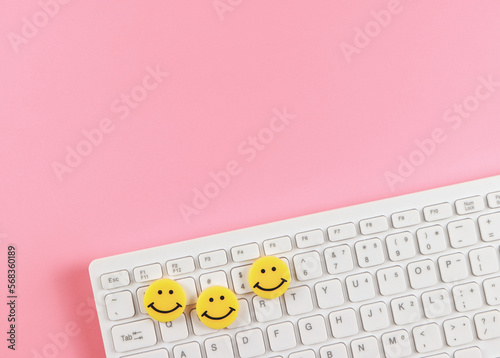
{"x": 411, "y": 276}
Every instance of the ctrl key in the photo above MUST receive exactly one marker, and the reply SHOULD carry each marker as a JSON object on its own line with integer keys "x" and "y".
{"x": 134, "y": 335}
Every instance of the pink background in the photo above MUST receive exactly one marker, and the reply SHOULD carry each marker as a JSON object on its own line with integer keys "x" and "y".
{"x": 355, "y": 118}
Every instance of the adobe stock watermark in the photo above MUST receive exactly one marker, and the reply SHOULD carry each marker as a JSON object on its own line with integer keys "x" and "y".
{"x": 32, "y": 24}
{"x": 223, "y": 6}
{"x": 122, "y": 107}
{"x": 249, "y": 149}
{"x": 454, "y": 118}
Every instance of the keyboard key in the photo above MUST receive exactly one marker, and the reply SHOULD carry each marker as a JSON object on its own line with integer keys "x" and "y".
{"x": 494, "y": 199}
{"x": 373, "y": 225}
{"x": 337, "y": 350}
{"x": 115, "y": 280}
{"x": 338, "y": 259}
{"x": 281, "y": 336}
{"x": 243, "y": 319}
{"x": 219, "y": 347}
{"x": 189, "y": 287}
{"x": 298, "y": 300}
{"x": 492, "y": 291}
{"x": 469, "y": 205}
{"x": 188, "y": 350}
{"x": 303, "y": 354}
{"x": 396, "y": 344}
{"x": 159, "y": 353}
{"x": 374, "y": 316}
{"x": 212, "y": 259}
{"x": 472, "y": 352}
{"x": 422, "y": 274}
{"x": 330, "y": 294}
{"x": 405, "y": 310}
{"x": 365, "y": 348}
{"x": 307, "y": 266}
{"x": 175, "y": 330}
{"x": 309, "y": 238}
{"x": 240, "y": 279}
{"x": 453, "y": 267}
{"x": 400, "y": 246}
{"x": 266, "y": 310}
{"x": 489, "y": 226}
{"x": 119, "y": 305}
{"x": 369, "y": 252}
{"x": 278, "y": 245}
{"x": 391, "y": 281}
{"x": 438, "y": 212}
{"x": 405, "y": 218}
{"x": 431, "y": 240}
{"x": 199, "y": 328}
{"x": 312, "y": 330}
{"x": 180, "y": 266}
{"x": 467, "y": 297}
{"x": 487, "y": 324}
{"x": 427, "y": 338}
{"x": 141, "y": 291}
{"x": 148, "y": 273}
{"x": 217, "y": 278}
{"x": 135, "y": 335}
{"x": 245, "y": 252}
{"x": 484, "y": 261}
{"x": 250, "y": 343}
{"x": 343, "y": 323}
{"x": 458, "y": 331}
{"x": 462, "y": 233}
{"x": 360, "y": 287}
{"x": 436, "y": 303}
{"x": 342, "y": 232}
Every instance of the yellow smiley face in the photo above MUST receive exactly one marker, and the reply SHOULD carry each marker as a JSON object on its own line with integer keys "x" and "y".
{"x": 217, "y": 307}
{"x": 165, "y": 300}
{"x": 269, "y": 277}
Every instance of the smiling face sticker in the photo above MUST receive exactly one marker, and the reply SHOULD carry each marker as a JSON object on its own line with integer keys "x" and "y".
{"x": 217, "y": 307}
{"x": 269, "y": 277}
{"x": 165, "y": 300}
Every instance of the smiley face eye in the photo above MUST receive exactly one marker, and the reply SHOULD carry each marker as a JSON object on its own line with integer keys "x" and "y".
{"x": 211, "y": 299}
{"x": 222, "y": 298}
{"x": 274, "y": 268}
{"x": 263, "y": 271}
{"x": 160, "y": 292}
{"x": 171, "y": 292}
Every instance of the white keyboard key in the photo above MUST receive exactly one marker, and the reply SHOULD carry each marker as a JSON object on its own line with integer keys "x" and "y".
{"x": 281, "y": 336}
{"x": 431, "y": 240}
{"x": 343, "y": 323}
{"x": 148, "y": 273}
{"x": 489, "y": 226}
{"x": 115, "y": 279}
{"x": 240, "y": 279}
{"x": 374, "y": 316}
{"x": 119, "y": 305}
{"x": 487, "y": 324}
{"x": 436, "y": 303}
{"x": 360, "y": 287}
{"x": 134, "y": 335}
{"x": 405, "y": 218}
{"x": 373, "y": 225}
{"x": 189, "y": 287}
{"x": 458, "y": 331}
{"x": 337, "y": 350}
{"x": 405, "y": 310}
{"x": 472, "y": 352}
{"x": 309, "y": 238}
{"x": 278, "y": 245}
{"x": 484, "y": 261}
{"x": 494, "y": 199}
{"x": 492, "y": 291}
{"x": 438, "y": 212}
{"x": 217, "y": 278}
{"x": 303, "y": 354}
{"x": 312, "y": 330}
{"x": 427, "y": 338}
{"x": 396, "y": 344}
{"x": 453, "y": 267}
{"x": 400, "y": 246}
{"x": 462, "y": 233}
{"x": 219, "y": 347}
{"x": 342, "y": 232}
{"x": 330, "y": 294}
{"x": 141, "y": 291}
{"x": 199, "y": 328}
{"x": 180, "y": 266}
{"x": 298, "y": 300}
{"x": 338, "y": 259}
{"x": 245, "y": 252}
{"x": 159, "y": 353}
{"x": 442, "y": 355}
{"x": 391, "y": 281}
{"x": 188, "y": 350}
{"x": 250, "y": 343}
{"x": 175, "y": 330}
{"x": 422, "y": 274}
{"x": 243, "y": 318}
{"x": 266, "y": 310}
{"x": 369, "y": 252}
{"x": 469, "y": 205}
{"x": 365, "y": 348}
{"x": 467, "y": 297}
{"x": 307, "y": 266}
{"x": 212, "y": 259}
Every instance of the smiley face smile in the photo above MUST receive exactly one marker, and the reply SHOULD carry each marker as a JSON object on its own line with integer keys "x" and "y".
{"x": 205, "y": 314}
{"x": 160, "y": 311}
{"x": 270, "y": 289}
